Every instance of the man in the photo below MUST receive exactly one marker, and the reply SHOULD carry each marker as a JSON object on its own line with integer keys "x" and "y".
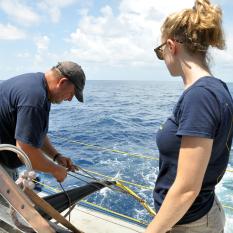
{"x": 24, "y": 115}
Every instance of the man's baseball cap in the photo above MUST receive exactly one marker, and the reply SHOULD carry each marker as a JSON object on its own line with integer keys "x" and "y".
{"x": 75, "y": 74}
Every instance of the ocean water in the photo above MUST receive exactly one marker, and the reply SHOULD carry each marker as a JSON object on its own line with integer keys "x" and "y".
{"x": 124, "y": 116}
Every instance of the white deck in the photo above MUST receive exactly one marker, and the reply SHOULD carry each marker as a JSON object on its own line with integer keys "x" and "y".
{"x": 86, "y": 220}
{"x": 90, "y": 221}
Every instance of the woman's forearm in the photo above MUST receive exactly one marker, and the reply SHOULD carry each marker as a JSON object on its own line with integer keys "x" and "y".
{"x": 175, "y": 205}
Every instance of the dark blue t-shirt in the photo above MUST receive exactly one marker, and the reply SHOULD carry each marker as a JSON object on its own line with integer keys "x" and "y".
{"x": 204, "y": 110}
{"x": 24, "y": 113}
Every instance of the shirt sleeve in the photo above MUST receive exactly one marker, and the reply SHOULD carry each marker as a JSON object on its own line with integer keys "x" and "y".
{"x": 199, "y": 114}
{"x": 31, "y": 125}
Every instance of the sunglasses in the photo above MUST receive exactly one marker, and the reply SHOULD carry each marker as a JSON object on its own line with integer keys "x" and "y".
{"x": 159, "y": 51}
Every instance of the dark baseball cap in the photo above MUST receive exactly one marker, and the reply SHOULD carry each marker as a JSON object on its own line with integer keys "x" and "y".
{"x": 75, "y": 74}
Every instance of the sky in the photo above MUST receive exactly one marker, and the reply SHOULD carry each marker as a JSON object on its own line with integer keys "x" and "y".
{"x": 110, "y": 39}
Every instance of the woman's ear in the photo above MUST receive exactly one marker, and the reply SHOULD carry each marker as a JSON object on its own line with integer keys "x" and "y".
{"x": 171, "y": 46}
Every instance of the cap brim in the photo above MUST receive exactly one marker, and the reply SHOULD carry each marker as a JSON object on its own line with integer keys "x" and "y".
{"x": 79, "y": 96}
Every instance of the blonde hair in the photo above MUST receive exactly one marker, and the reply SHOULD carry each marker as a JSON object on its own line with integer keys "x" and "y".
{"x": 197, "y": 28}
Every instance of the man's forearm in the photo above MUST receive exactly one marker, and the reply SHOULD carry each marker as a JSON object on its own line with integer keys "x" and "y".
{"x": 48, "y": 148}
{"x": 38, "y": 160}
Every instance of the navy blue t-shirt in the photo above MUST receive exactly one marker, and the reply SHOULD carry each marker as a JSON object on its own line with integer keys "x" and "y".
{"x": 24, "y": 113}
{"x": 204, "y": 110}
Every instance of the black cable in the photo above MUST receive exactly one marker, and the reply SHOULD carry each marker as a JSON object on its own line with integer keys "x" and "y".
{"x": 83, "y": 175}
{"x": 67, "y": 198}
{"x": 99, "y": 181}
{"x": 88, "y": 182}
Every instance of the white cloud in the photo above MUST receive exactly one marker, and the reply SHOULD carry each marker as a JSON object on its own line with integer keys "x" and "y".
{"x": 126, "y": 38}
{"x": 225, "y": 57}
{"x": 42, "y": 45}
{"x": 43, "y": 55}
{"x": 123, "y": 36}
{"x": 155, "y": 7}
{"x": 54, "y": 7}
{"x": 10, "y": 32}
{"x": 19, "y": 12}
{"x": 24, "y": 55}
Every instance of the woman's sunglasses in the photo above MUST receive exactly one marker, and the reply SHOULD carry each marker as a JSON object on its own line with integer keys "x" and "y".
{"x": 159, "y": 51}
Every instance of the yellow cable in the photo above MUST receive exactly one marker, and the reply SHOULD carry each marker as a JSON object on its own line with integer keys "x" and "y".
{"x": 123, "y": 181}
{"x": 115, "y": 151}
{"x": 113, "y": 212}
{"x": 229, "y": 170}
{"x": 47, "y": 186}
{"x": 227, "y": 207}
{"x": 139, "y": 199}
{"x": 136, "y": 220}
{"x": 108, "y": 149}
{"x": 92, "y": 204}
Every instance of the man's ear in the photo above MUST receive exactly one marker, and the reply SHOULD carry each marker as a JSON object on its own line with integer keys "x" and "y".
{"x": 62, "y": 81}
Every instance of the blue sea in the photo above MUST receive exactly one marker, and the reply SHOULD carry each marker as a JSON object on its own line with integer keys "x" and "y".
{"x": 122, "y": 116}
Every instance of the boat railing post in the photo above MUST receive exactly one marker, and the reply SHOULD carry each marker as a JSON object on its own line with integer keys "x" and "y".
{"x": 17, "y": 198}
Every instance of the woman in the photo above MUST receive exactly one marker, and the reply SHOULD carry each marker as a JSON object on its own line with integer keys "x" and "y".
{"x": 194, "y": 143}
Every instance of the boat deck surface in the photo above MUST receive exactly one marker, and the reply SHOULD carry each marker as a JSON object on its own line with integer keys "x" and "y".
{"x": 85, "y": 219}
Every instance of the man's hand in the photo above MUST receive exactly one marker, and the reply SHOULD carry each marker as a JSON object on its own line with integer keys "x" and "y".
{"x": 50, "y": 151}
{"x": 41, "y": 163}
{"x": 60, "y": 173}
{"x": 65, "y": 162}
